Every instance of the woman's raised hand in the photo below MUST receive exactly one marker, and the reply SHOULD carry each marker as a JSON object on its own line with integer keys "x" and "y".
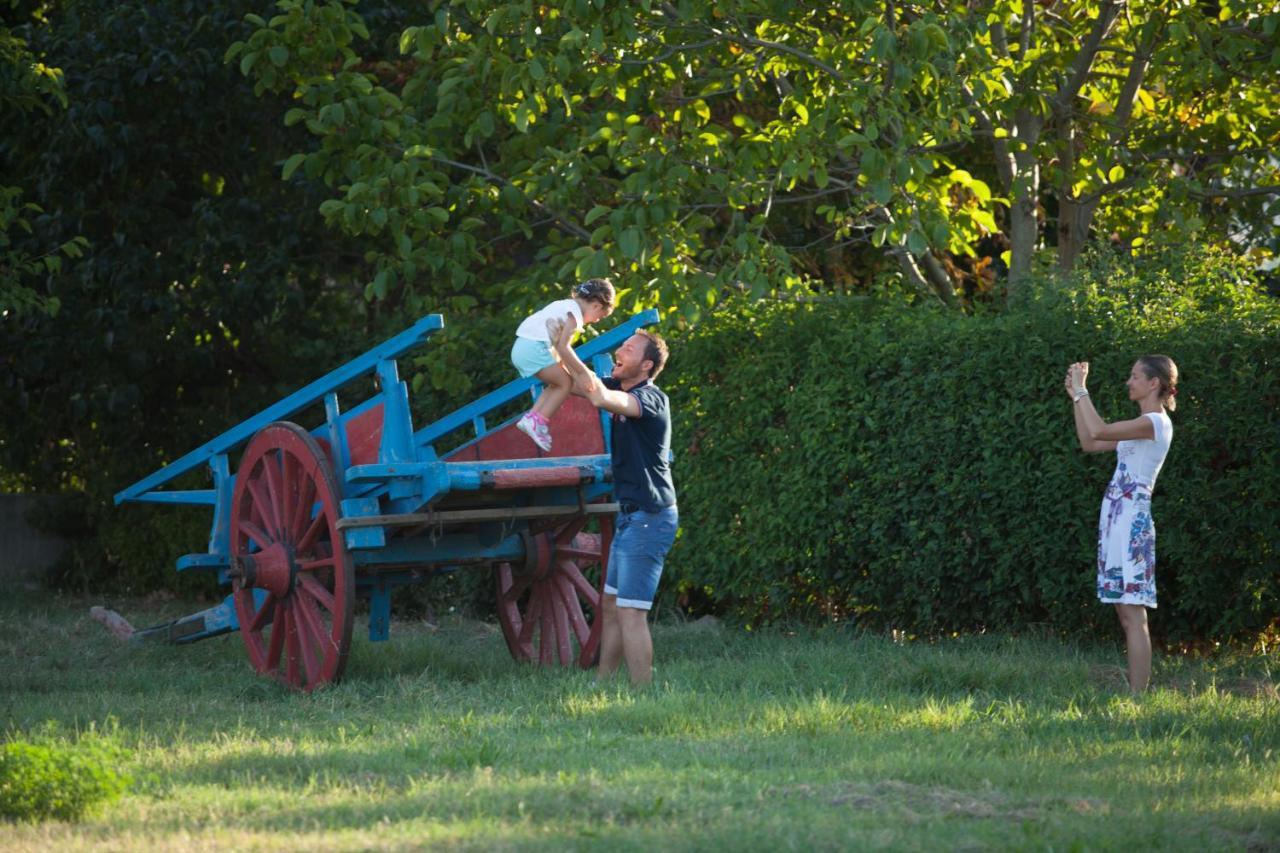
{"x": 1078, "y": 373}
{"x": 1074, "y": 382}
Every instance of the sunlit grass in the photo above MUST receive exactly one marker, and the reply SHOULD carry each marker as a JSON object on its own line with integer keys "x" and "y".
{"x": 826, "y": 740}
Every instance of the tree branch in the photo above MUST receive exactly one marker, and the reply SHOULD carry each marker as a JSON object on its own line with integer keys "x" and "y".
{"x": 940, "y": 279}
{"x": 1084, "y": 58}
{"x": 999, "y": 39}
{"x": 1028, "y": 27}
{"x": 1133, "y": 80}
{"x": 560, "y": 219}
{"x": 784, "y": 48}
{"x": 1004, "y": 162}
{"x": 1243, "y": 192}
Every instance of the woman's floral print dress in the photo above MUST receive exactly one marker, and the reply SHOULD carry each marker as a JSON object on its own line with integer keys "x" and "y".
{"x": 1126, "y": 532}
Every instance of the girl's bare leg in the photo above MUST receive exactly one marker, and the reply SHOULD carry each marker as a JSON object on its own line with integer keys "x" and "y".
{"x": 556, "y": 384}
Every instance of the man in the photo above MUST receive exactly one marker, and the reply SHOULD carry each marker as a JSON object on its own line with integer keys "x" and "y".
{"x": 642, "y": 484}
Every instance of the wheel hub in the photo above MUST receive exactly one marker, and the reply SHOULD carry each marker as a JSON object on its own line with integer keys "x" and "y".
{"x": 539, "y": 551}
{"x": 273, "y": 569}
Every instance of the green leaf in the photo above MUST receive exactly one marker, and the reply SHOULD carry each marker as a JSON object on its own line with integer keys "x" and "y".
{"x": 882, "y": 191}
{"x": 629, "y": 243}
{"x": 595, "y": 213}
{"x": 291, "y": 165}
{"x": 279, "y": 55}
{"x": 1115, "y": 174}
{"x": 984, "y": 219}
{"x": 524, "y": 115}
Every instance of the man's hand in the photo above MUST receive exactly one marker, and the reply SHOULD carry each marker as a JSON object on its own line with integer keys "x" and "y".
{"x": 554, "y": 329}
{"x": 569, "y": 327}
{"x": 588, "y": 385}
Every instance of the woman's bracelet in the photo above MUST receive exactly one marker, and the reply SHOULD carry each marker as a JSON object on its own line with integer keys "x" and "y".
{"x": 1079, "y": 395}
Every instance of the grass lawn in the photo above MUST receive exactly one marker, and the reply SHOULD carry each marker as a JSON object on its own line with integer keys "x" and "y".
{"x": 823, "y": 740}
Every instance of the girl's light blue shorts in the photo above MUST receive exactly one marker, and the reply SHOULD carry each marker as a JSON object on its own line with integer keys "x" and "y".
{"x": 530, "y": 356}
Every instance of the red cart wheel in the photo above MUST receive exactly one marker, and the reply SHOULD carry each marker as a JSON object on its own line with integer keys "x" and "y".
{"x": 549, "y": 607}
{"x": 285, "y": 541}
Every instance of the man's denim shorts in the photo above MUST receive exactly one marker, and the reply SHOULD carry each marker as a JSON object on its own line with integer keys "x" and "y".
{"x": 640, "y": 544}
{"x": 530, "y": 356}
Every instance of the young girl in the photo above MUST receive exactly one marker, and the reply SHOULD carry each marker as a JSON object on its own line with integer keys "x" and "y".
{"x": 1126, "y": 532}
{"x": 534, "y": 351}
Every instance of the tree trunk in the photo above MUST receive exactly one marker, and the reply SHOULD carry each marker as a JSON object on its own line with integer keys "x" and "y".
{"x": 1024, "y": 221}
{"x": 1074, "y": 221}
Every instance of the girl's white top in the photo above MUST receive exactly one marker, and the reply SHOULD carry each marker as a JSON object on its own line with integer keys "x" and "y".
{"x": 534, "y": 326}
{"x": 1142, "y": 458}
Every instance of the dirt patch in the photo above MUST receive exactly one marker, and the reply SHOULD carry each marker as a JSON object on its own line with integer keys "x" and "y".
{"x": 1109, "y": 677}
{"x": 1250, "y": 688}
{"x": 922, "y": 802}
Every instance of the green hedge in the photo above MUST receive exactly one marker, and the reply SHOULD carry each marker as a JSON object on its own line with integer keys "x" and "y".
{"x": 918, "y": 469}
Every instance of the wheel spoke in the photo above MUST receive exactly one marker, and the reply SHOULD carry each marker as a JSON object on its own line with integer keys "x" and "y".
{"x": 573, "y": 607}
{"x": 580, "y": 583}
{"x": 586, "y": 554}
{"x": 546, "y": 642}
{"x": 278, "y": 630}
{"x": 310, "y": 644}
{"x": 316, "y": 590}
{"x": 257, "y": 534}
{"x": 312, "y": 565}
{"x": 518, "y": 586}
{"x": 561, "y": 613}
{"x": 565, "y": 535}
{"x": 261, "y": 505}
{"x": 530, "y": 619}
{"x": 293, "y": 651}
{"x": 271, "y": 465}
{"x": 313, "y": 530}
{"x": 268, "y": 608}
{"x": 302, "y": 511}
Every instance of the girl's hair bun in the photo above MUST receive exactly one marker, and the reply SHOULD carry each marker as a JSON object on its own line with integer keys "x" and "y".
{"x": 597, "y": 289}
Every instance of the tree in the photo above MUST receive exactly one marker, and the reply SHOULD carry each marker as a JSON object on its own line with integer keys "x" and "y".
{"x": 27, "y": 86}
{"x": 1132, "y": 118}
{"x": 484, "y": 148}
{"x": 207, "y": 287}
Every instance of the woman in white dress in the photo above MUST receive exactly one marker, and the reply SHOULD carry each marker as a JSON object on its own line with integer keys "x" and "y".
{"x": 1126, "y": 532}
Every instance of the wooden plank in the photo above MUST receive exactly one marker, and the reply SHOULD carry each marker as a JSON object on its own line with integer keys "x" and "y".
{"x": 455, "y": 516}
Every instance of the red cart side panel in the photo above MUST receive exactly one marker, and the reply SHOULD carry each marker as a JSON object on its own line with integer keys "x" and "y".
{"x": 364, "y": 436}
{"x": 575, "y": 431}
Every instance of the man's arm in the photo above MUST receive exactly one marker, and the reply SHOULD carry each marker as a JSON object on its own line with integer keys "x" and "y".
{"x": 587, "y": 385}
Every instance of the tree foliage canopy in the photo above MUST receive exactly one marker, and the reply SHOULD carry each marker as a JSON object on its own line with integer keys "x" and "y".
{"x": 480, "y": 148}
{"x": 27, "y": 85}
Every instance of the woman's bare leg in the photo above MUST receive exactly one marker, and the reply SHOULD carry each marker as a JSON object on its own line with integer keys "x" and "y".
{"x": 1137, "y": 641}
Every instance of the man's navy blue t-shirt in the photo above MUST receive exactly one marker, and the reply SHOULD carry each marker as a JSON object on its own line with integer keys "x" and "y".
{"x": 642, "y": 450}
